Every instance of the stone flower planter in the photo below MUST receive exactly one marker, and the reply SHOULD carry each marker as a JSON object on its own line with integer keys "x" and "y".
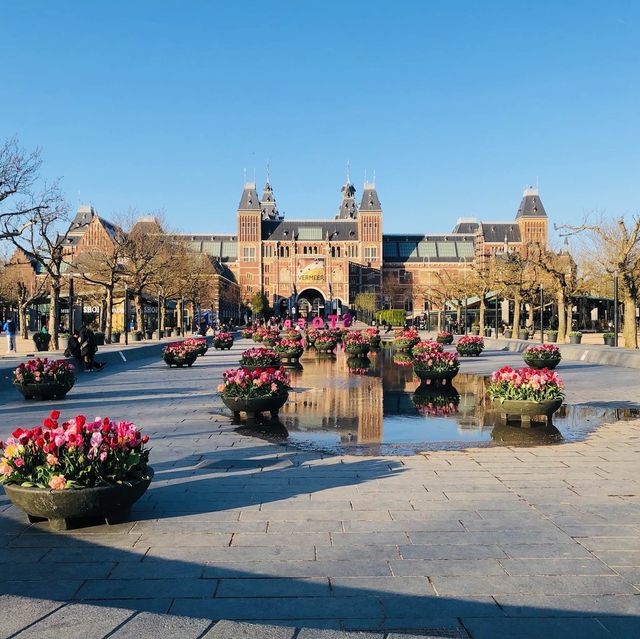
{"x": 45, "y": 391}
{"x": 552, "y": 336}
{"x": 255, "y": 406}
{"x": 357, "y": 350}
{"x": 575, "y": 339}
{"x": 539, "y": 363}
{"x": 524, "y": 335}
{"x": 111, "y": 503}
{"x": 444, "y": 340}
{"x": 180, "y": 362}
{"x": 475, "y": 331}
{"x": 222, "y": 345}
{"x": 433, "y": 376}
{"x": 525, "y": 409}
{"x": 508, "y": 333}
{"x": 609, "y": 341}
{"x": 470, "y": 350}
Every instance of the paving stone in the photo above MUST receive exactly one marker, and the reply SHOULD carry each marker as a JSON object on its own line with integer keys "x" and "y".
{"x": 146, "y": 588}
{"x": 77, "y": 621}
{"x": 152, "y": 626}
{"x": 534, "y": 628}
{"x": 18, "y": 612}
{"x": 275, "y": 587}
{"x": 314, "y": 633}
{"x": 236, "y": 630}
{"x": 355, "y": 568}
{"x": 418, "y": 567}
{"x": 555, "y": 566}
{"x": 568, "y": 605}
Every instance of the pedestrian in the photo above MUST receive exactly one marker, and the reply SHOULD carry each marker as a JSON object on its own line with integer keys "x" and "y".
{"x": 88, "y": 349}
{"x": 73, "y": 350}
{"x": 10, "y": 329}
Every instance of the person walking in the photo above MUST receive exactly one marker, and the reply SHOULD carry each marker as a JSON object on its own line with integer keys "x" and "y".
{"x": 10, "y": 329}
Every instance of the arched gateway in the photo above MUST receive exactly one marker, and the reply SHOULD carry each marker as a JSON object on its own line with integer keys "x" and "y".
{"x": 311, "y": 303}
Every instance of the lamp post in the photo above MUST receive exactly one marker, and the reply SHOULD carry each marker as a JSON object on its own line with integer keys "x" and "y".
{"x": 615, "y": 307}
{"x": 71, "y": 292}
{"x": 496, "y": 315}
{"x": 465, "y": 314}
{"x": 159, "y": 303}
{"x": 541, "y": 314}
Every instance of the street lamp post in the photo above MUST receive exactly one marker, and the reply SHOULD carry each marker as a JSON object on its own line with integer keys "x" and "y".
{"x": 71, "y": 292}
{"x": 158, "y": 322}
{"x": 615, "y": 308}
{"x": 496, "y": 315}
{"x": 541, "y": 314}
{"x": 465, "y": 315}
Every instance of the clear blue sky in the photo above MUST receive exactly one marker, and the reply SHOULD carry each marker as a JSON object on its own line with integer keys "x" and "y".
{"x": 455, "y": 105}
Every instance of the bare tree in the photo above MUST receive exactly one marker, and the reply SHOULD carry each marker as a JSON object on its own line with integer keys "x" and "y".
{"x": 615, "y": 247}
{"x": 21, "y": 291}
{"x": 22, "y": 196}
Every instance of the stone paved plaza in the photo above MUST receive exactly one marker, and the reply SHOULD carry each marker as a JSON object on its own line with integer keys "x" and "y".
{"x": 237, "y": 537}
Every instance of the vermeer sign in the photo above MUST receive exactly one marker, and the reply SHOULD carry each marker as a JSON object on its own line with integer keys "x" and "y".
{"x": 312, "y": 273}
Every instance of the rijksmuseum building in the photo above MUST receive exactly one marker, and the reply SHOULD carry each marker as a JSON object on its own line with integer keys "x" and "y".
{"x": 308, "y": 267}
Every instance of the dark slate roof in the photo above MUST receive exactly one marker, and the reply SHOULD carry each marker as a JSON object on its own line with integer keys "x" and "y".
{"x": 348, "y": 207}
{"x": 249, "y": 200}
{"x": 333, "y": 230}
{"x": 428, "y": 248}
{"x": 500, "y": 231}
{"x": 466, "y": 226}
{"x": 370, "y": 201}
{"x": 79, "y": 224}
{"x": 531, "y": 204}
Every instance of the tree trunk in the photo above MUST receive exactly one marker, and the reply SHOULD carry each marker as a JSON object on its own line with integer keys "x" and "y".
{"x": 530, "y": 311}
{"x": 629, "y": 329}
{"x": 163, "y": 314}
{"x": 108, "y": 328}
{"x": 22, "y": 319}
{"x": 516, "y": 314}
{"x": 179, "y": 314}
{"x": 569, "y": 316}
{"x": 103, "y": 314}
{"x": 54, "y": 314}
{"x": 137, "y": 302}
{"x": 562, "y": 316}
{"x": 483, "y": 307}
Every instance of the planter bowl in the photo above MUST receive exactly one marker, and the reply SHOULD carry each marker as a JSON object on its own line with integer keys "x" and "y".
{"x": 444, "y": 340}
{"x": 523, "y": 335}
{"x": 575, "y": 339}
{"x": 221, "y": 345}
{"x": 433, "y": 376}
{"x": 470, "y": 350}
{"x": 254, "y": 406}
{"x": 609, "y": 341}
{"x": 111, "y": 503}
{"x": 552, "y": 337}
{"x": 46, "y": 391}
{"x": 525, "y": 409}
{"x": 540, "y": 363}
{"x": 507, "y": 334}
{"x": 180, "y": 362}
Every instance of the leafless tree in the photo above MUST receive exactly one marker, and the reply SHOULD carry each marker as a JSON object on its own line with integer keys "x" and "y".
{"x": 614, "y": 246}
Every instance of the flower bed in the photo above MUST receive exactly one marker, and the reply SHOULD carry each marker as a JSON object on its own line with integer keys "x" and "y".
{"x": 444, "y": 337}
{"x": 47, "y": 469}
{"x": 289, "y": 348}
{"x": 292, "y": 335}
{"x": 339, "y": 334}
{"x": 311, "y": 335}
{"x": 405, "y": 340}
{"x": 355, "y": 343}
{"x": 325, "y": 343}
{"x": 426, "y": 346}
{"x": 247, "y": 332}
{"x": 198, "y": 343}
{"x": 223, "y": 341}
{"x": 525, "y": 384}
{"x": 436, "y": 366}
{"x": 402, "y": 359}
{"x": 254, "y": 391}
{"x": 260, "y": 358}
{"x": 543, "y": 356}
{"x": 44, "y": 378}
{"x": 470, "y": 345}
{"x": 373, "y": 335}
{"x": 181, "y": 354}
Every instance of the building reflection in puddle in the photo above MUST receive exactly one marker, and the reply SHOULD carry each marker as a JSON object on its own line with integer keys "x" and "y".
{"x": 377, "y": 406}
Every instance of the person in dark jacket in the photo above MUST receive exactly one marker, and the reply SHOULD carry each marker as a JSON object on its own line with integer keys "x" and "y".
{"x": 88, "y": 349}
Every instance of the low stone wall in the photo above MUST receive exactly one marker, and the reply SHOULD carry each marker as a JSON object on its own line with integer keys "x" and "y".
{"x": 592, "y": 353}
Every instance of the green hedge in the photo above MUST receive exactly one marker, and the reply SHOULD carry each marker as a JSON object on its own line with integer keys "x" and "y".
{"x": 394, "y": 316}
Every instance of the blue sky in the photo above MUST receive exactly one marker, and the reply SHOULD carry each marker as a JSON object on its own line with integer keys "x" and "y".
{"x": 456, "y": 105}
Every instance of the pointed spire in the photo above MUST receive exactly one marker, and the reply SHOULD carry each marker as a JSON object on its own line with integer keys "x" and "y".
{"x": 268, "y": 204}
{"x": 348, "y": 207}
